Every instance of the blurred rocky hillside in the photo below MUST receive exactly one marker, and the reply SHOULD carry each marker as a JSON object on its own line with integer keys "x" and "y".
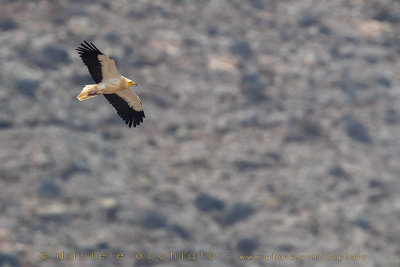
{"x": 271, "y": 127}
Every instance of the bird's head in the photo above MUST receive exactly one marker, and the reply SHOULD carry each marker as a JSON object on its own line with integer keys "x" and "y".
{"x": 130, "y": 83}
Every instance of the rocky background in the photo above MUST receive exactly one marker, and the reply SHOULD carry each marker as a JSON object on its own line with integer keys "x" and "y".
{"x": 271, "y": 127}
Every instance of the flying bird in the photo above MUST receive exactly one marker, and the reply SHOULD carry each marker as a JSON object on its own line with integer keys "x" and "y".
{"x": 112, "y": 85}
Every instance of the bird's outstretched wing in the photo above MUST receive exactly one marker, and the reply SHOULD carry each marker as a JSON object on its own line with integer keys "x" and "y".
{"x": 100, "y": 66}
{"x": 128, "y": 106}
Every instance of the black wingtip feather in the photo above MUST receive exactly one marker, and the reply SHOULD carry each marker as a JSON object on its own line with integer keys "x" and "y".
{"x": 89, "y": 55}
{"x": 130, "y": 116}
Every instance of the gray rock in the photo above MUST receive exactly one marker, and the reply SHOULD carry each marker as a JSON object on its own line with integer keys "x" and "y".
{"x": 50, "y": 57}
{"x": 247, "y": 245}
{"x": 172, "y": 128}
{"x": 73, "y": 169}
{"x": 337, "y": 171}
{"x": 302, "y": 130}
{"x": 349, "y": 192}
{"x": 8, "y": 25}
{"x": 308, "y": 20}
{"x": 241, "y": 48}
{"x": 9, "y": 260}
{"x": 286, "y": 247}
{"x": 206, "y": 202}
{"x": 392, "y": 116}
{"x": 324, "y": 29}
{"x": 111, "y": 134}
{"x": 166, "y": 196}
{"x": 238, "y": 212}
{"x": 363, "y": 223}
{"x": 113, "y": 38}
{"x": 350, "y": 85}
{"x": 154, "y": 220}
{"x": 212, "y": 30}
{"x": 180, "y": 231}
{"x": 371, "y": 59}
{"x": 258, "y": 4}
{"x": 245, "y": 165}
{"x": 375, "y": 183}
{"x": 272, "y": 158}
{"x": 378, "y": 197}
{"x": 5, "y": 124}
{"x": 253, "y": 88}
{"x": 357, "y": 130}
{"x": 160, "y": 101}
{"x": 49, "y": 188}
{"x": 27, "y": 87}
{"x": 81, "y": 79}
{"x": 387, "y": 15}
{"x": 57, "y": 54}
{"x": 384, "y": 81}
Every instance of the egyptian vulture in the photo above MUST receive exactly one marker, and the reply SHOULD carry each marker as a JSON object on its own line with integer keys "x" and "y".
{"x": 112, "y": 85}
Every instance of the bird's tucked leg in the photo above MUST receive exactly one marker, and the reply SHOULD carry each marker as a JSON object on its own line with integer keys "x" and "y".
{"x": 93, "y": 93}
{"x": 88, "y": 91}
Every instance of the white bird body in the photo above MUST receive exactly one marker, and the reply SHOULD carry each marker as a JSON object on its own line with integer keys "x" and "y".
{"x": 110, "y": 86}
{"x": 113, "y": 85}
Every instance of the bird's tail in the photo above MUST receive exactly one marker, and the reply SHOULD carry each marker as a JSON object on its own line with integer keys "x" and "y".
{"x": 88, "y": 91}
